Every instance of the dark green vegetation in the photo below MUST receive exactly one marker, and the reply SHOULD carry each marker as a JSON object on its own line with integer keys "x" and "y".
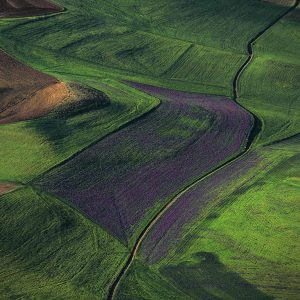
{"x": 49, "y": 250}
{"x": 242, "y": 244}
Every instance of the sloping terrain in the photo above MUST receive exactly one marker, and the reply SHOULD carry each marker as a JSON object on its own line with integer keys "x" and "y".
{"x": 138, "y": 148}
{"x": 59, "y": 135}
{"x": 270, "y": 86}
{"x": 6, "y": 187}
{"x": 205, "y": 43}
{"x": 49, "y": 250}
{"x": 25, "y": 92}
{"x": 120, "y": 179}
{"x": 226, "y": 248}
{"x": 221, "y": 238}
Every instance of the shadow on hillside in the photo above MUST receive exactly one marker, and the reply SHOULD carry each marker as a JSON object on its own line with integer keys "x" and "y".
{"x": 89, "y": 112}
{"x": 210, "y": 279}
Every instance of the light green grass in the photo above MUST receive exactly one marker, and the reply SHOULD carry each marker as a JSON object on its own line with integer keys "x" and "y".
{"x": 143, "y": 40}
{"x": 243, "y": 245}
{"x": 257, "y": 234}
{"x": 50, "y": 251}
{"x": 270, "y": 86}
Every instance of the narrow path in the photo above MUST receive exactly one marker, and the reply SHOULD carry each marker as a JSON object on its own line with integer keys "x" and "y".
{"x": 256, "y": 128}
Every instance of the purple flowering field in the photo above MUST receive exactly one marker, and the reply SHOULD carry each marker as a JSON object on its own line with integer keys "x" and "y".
{"x": 119, "y": 181}
{"x": 169, "y": 230}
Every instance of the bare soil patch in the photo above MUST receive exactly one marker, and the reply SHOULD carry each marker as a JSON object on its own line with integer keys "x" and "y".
{"x": 6, "y": 187}
{"x": 26, "y": 93}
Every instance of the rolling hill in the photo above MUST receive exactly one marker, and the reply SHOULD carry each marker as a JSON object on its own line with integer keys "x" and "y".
{"x": 149, "y": 150}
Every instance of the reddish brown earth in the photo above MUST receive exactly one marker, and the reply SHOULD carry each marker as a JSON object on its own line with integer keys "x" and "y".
{"x": 24, "y": 8}
{"x": 26, "y": 93}
{"x": 6, "y": 187}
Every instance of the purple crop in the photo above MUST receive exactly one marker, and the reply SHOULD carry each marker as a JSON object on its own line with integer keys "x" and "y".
{"x": 118, "y": 180}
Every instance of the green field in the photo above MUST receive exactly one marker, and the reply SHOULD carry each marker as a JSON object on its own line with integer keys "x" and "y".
{"x": 32, "y": 147}
{"x": 242, "y": 242}
{"x": 270, "y": 86}
{"x": 49, "y": 250}
{"x": 244, "y": 245}
{"x": 131, "y": 38}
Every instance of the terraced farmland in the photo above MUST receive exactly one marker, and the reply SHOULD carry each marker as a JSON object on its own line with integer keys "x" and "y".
{"x": 149, "y": 150}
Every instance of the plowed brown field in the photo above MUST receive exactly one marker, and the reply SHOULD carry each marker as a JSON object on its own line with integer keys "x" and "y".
{"x": 26, "y": 93}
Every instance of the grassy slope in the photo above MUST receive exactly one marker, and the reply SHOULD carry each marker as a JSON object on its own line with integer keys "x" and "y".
{"x": 270, "y": 86}
{"x": 248, "y": 248}
{"x": 130, "y": 38}
{"x": 48, "y": 59}
{"x": 50, "y": 251}
{"x": 123, "y": 180}
{"x": 32, "y": 147}
{"x": 244, "y": 245}
{"x": 266, "y": 242}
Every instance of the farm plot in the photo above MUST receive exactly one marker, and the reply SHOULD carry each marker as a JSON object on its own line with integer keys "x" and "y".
{"x": 143, "y": 41}
{"x": 223, "y": 237}
{"x": 124, "y": 49}
{"x": 49, "y": 250}
{"x": 33, "y": 146}
{"x": 25, "y": 92}
{"x": 270, "y": 87}
{"x": 17, "y": 8}
{"x": 219, "y": 24}
{"x": 121, "y": 181}
{"x": 203, "y": 64}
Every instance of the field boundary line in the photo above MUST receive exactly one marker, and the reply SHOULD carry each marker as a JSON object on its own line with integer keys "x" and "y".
{"x": 16, "y": 186}
{"x": 252, "y": 135}
{"x": 178, "y": 59}
{"x": 122, "y": 126}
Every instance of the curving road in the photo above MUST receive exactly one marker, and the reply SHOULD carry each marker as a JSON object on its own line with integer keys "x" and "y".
{"x": 256, "y": 128}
